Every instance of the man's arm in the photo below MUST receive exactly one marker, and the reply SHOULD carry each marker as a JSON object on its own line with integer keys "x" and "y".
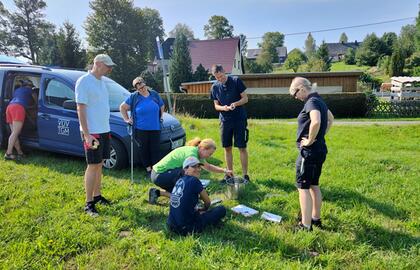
{"x": 242, "y": 101}
{"x": 204, "y": 196}
{"x": 315, "y": 116}
{"x": 81, "y": 112}
{"x": 330, "y": 121}
{"x": 219, "y": 107}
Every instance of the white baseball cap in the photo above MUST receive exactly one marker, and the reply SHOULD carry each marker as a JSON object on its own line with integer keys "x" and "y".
{"x": 191, "y": 161}
{"x": 104, "y": 58}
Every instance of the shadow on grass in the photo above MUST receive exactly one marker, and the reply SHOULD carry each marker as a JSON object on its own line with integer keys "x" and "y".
{"x": 344, "y": 199}
{"x": 382, "y": 238}
{"x": 278, "y": 184}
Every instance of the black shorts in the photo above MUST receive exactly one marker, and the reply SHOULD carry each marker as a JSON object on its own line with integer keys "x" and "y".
{"x": 167, "y": 180}
{"x": 309, "y": 167}
{"x": 234, "y": 130}
{"x": 96, "y": 156}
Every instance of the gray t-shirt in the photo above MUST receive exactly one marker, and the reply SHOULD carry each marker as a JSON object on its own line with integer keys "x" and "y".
{"x": 94, "y": 94}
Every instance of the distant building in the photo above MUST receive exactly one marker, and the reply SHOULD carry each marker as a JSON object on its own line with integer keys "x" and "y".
{"x": 225, "y": 52}
{"x": 336, "y": 51}
{"x": 252, "y": 54}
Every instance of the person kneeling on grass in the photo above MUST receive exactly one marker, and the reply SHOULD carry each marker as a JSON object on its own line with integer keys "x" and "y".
{"x": 168, "y": 170}
{"x": 184, "y": 217}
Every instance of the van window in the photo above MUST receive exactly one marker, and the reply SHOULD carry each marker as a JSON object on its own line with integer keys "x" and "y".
{"x": 57, "y": 92}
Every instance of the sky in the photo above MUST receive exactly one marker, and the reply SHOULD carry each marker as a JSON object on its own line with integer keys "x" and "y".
{"x": 255, "y": 17}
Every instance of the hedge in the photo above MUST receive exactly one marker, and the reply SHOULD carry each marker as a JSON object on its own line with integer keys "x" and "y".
{"x": 271, "y": 105}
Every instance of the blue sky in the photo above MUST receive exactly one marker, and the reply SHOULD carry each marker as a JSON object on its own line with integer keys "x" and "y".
{"x": 255, "y": 17}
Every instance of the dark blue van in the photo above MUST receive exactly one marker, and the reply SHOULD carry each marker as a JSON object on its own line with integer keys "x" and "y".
{"x": 52, "y": 123}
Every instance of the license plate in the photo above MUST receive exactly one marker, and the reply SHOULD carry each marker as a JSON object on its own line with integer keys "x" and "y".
{"x": 177, "y": 143}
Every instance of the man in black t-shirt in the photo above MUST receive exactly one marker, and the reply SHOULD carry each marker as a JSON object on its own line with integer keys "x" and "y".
{"x": 228, "y": 95}
{"x": 314, "y": 122}
{"x": 184, "y": 216}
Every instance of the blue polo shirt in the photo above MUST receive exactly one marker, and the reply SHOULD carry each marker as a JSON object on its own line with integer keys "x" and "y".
{"x": 313, "y": 102}
{"x": 184, "y": 198}
{"x": 226, "y": 94}
{"x": 22, "y": 96}
{"x": 147, "y": 111}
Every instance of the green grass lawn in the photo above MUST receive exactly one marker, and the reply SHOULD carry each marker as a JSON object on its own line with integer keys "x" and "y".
{"x": 341, "y": 66}
{"x": 371, "y": 209}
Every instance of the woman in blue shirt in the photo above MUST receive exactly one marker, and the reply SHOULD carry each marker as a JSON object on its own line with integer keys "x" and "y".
{"x": 146, "y": 108}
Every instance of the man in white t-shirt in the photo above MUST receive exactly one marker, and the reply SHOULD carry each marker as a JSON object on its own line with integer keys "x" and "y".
{"x": 92, "y": 100}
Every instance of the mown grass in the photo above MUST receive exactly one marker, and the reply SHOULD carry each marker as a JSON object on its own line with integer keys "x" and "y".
{"x": 371, "y": 211}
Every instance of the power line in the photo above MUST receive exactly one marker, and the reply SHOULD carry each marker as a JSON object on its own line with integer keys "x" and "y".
{"x": 341, "y": 28}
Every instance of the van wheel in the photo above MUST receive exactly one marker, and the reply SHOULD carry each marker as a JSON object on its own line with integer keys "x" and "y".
{"x": 118, "y": 157}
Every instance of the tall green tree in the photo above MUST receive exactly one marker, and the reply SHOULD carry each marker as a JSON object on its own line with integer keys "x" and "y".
{"x": 310, "y": 45}
{"x": 182, "y": 28}
{"x": 343, "y": 38}
{"x": 201, "y": 74}
{"x": 4, "y": 30}
{"x": 270, "y": 41}
{"x": 153, "y": 27}
{"x": 295, "y": 59}
{"x": 154, "y": 80}
{"x": 407, "y": 39}
{"x": 28, "y": 28}
{"x": 253, "y": 67}
{"x": 397, "y": 61}
{"x": 243, "y": 44}
{"x": 370, "y": 51}
{"x": 70, "y": 47}
{"x": 388, "y": 39}
{"x": 323, "y": 54}
{"x": 49, "y": 54}
{"x": 350, "y": 56}
{"x": 418, "y": 30}
{"x": 117, "y": 28}
{"x": 180, "y": 65}
{"x": 218, "y": 27}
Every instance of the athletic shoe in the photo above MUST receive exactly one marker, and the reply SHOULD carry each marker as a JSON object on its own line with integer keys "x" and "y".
{"x": 90, "y": 209}
{"x": 316, "y": 223}
{"x": 246, "y": 178}
{"x": 224, "y": 180}
{"x": 153, "y": 195}
{"x": 101, "y": 199}
{"x": 301, "y": 227}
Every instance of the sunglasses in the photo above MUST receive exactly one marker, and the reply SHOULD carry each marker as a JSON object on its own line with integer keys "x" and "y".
{"x": 295, "y": 93}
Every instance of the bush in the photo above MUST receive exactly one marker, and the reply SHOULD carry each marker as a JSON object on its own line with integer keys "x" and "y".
{"x": 272, "y": 105}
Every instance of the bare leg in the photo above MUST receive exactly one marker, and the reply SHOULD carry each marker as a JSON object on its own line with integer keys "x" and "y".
{"x": 165, "y": 193}
{"x": 229, "y": 158}
{"x": 90, "y": 180}
{"x": 98, "y": 180}
{"x": 305, "y": 201}
{"x": 16, "y": 128}
{"x": 243, "y": 152}
{"x": 317, "y": 201}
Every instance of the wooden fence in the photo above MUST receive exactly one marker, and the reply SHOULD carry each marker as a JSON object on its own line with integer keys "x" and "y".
{"x": 395, "y": 108}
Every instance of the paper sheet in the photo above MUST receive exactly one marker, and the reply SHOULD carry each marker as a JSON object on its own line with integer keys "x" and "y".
{"x": 244, "y": 210}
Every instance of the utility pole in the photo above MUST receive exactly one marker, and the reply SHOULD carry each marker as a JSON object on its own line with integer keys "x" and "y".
{"x": 166, "y": 86}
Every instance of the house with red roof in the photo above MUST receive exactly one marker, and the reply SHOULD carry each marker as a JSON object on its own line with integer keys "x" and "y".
{"x": 225, "y": 52}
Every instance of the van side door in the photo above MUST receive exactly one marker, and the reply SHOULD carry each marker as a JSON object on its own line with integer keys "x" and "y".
{"x": 58, "y": 127}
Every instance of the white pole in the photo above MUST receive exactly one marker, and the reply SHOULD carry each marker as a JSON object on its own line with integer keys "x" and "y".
{"x": 166, "y": 86}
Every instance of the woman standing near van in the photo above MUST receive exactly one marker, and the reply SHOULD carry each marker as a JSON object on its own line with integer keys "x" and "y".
{"x": 15, "y": 117}
{"x": 146, "y": 108}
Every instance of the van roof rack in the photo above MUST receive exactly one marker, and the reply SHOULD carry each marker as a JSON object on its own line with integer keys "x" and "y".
{"x": 24, "y": 66}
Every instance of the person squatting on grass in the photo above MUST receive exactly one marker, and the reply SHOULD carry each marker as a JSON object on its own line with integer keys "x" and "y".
{"x": 147, "y": 108}
{"x": 93, "y": 110}
{"x": 314, "y": 121}
{"x": 184, "y": 215}
{"x": 15, "y": 117}
{"x": 169, "y": 169}
{"x": 228, "y": 95}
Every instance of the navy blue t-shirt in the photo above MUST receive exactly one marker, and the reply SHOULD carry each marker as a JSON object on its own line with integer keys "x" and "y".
{"x": 147, "y": 111}
{"x": 313, "y": 102}
{"x": 226, "y": 94}
{"x": 22, "y": 96}
{"x": 184, "y": 198}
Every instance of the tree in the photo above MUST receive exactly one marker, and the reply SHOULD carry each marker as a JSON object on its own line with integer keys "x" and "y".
{"x": 201, "y": 74}
{"x": 254, "y": 67}
{"x": 180, "y": 65}
{"x": 28, "y": 28}
{"x": 413, "y": 64}
{"x": 243, "y": 43}
{"x": 370, "y": 51}
{"x": 388, "y": 39}
{"x": 153, "y": 27}
{"x": 343, "y": 38}
{"x": 218, "y": 27}
{"x": 322, "y": 53}
{"x": 418, "y": 30}
{"x": 350, "y": 56}
{"x": 309, "y": 45}
{"x": 314, "y": 64}
{"x": 182, "y": 28}
{"x": 49, "y": 54}
{"x": 397, "y": 61}
{"x": 4, "y": 30}
{"x": 407, "y": 40}
{"x": 294, "y": 59}
{"x": 154, "y": 80}
{"x": 126, "y": 33}
{"x": 270, "y": 41}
